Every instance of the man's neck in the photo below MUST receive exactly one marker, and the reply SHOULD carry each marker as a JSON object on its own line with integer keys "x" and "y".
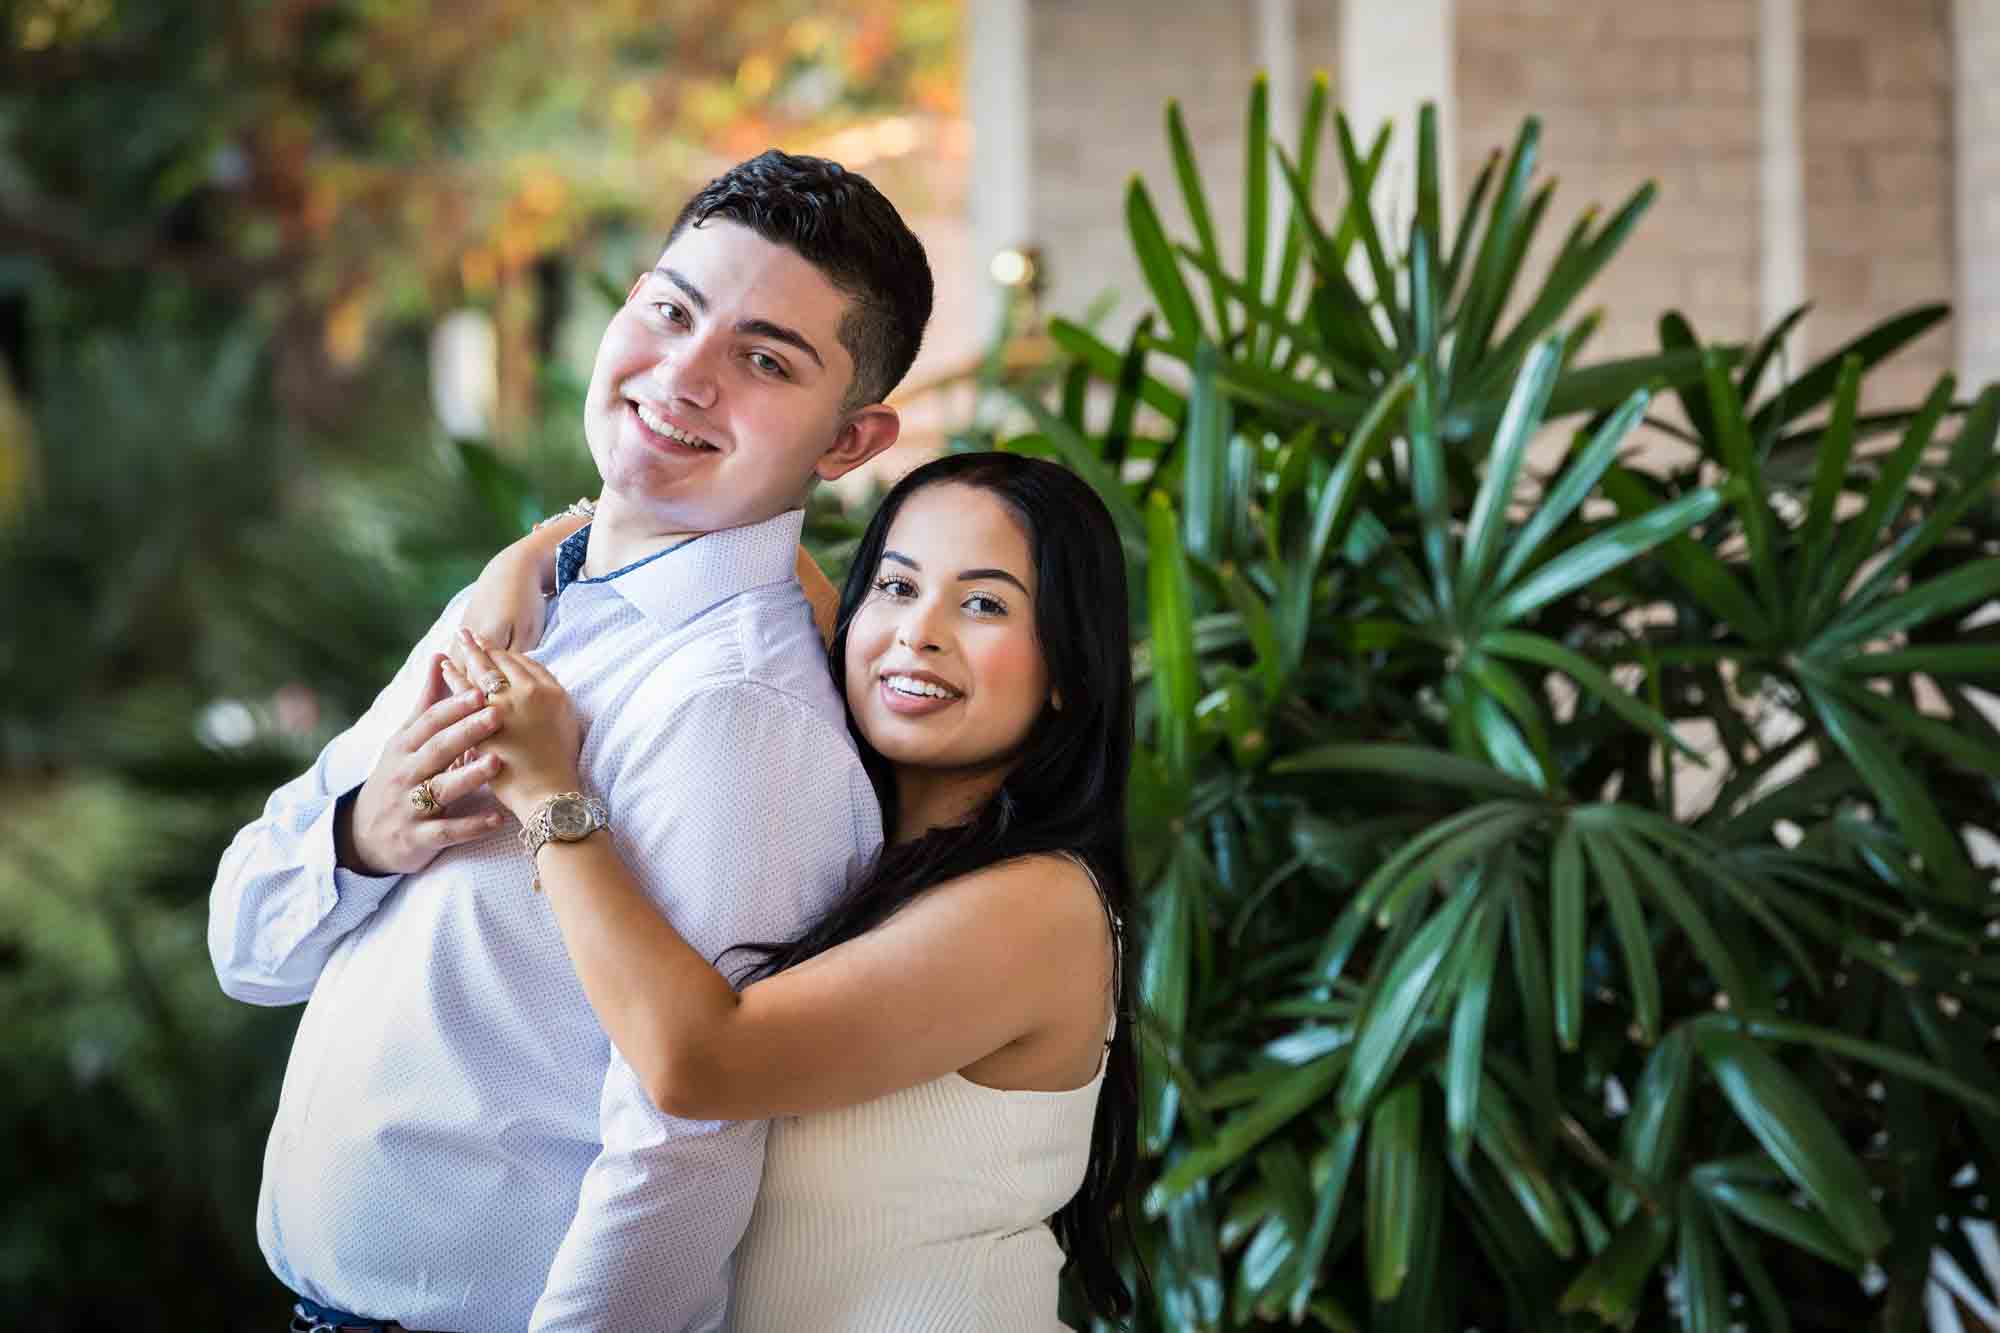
{"x": 620, "y": 536}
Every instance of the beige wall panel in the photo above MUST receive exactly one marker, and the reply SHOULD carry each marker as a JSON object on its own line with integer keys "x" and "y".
{"x": 1975, "y": 41}
{"x": 1101, "y": 72}
{"x": 1876, "y": 127}
{"x": 1631, "y": 91}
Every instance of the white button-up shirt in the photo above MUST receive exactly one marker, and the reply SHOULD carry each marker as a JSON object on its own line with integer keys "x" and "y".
{"x": 458, "y": 1146}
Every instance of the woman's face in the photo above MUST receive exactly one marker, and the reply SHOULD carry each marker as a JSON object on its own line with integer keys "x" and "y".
{"x": 944, "y": 670}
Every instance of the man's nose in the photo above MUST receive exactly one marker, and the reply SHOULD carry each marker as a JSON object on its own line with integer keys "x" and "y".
{"x": 690, "y": 372}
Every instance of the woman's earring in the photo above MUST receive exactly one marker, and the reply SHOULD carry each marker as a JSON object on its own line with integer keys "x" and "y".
{"x": 1055, "y": 700}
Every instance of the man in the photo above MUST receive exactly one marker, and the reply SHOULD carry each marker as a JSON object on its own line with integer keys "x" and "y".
{"x": 457, "y": 1145}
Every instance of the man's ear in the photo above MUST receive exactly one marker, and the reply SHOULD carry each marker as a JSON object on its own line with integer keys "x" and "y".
{"x": 867, "y": 433}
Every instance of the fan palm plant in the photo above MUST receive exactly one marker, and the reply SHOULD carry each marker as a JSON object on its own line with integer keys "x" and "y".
{"x": 1560, "y": 903}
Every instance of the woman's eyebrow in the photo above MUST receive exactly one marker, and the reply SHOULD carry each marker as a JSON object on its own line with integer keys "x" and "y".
{"x": 964, "y": 575}
{"x": 972, "y": 575}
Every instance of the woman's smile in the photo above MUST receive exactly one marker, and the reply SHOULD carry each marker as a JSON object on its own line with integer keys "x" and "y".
{"x": 917, "y": 693}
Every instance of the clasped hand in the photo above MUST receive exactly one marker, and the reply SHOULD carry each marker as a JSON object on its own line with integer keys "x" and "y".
{"x": 485, "y": 717}
{"x": 538, "y": 735}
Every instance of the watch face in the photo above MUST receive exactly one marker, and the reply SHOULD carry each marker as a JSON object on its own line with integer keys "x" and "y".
{"x": 569, "y": 819}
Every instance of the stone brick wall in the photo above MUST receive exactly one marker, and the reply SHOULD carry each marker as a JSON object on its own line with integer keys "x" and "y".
{"x": 1630, "y": 91}
{"x": 1876, "y": 129}
{"x": 1101, "y": 74}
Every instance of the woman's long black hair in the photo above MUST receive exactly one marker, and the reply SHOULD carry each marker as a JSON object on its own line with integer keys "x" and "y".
{"x": 1066, "y": 793}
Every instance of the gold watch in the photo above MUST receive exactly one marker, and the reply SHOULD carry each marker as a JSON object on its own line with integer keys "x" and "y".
{"x": 568, "y": 816}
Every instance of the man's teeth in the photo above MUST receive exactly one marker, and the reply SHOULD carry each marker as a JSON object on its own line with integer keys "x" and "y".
{"x": 660, "y": 426}
{"x": 911, "y": 685}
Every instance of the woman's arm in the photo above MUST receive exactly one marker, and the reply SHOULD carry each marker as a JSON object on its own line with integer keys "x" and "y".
{"x": 968, "y": 968}
{"x": 825, "y": 598}
{"x": 507, "y": 602}
{"x": 974, "y": 965}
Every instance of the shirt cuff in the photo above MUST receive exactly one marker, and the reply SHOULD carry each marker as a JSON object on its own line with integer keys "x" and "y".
{"x": 347, "y": 896}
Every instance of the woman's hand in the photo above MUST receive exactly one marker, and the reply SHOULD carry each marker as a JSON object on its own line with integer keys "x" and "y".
{"x": 539, "y": 736}
{"x": 508, "y": 603}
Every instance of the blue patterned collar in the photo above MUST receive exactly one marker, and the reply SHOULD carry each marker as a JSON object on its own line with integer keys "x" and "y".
{"x": 713, "y": 567}
{"x": 570, "y": 557}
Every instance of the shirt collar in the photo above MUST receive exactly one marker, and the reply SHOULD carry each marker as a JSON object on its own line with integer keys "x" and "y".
{"x": 674, "y": 585}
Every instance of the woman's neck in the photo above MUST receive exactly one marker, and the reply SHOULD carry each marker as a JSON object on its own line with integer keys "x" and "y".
{"x": 927, "y": 799}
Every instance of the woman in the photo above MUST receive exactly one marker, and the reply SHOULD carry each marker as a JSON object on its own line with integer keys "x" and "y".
{"x": 941, "y": 1052}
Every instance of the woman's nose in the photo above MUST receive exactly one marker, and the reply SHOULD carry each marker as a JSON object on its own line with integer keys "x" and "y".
{"x": 918, "y": 634}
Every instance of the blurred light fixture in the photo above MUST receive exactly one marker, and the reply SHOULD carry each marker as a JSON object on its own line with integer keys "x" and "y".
{"x": 226, "y": 724}
{"x": 1012, "y": 268}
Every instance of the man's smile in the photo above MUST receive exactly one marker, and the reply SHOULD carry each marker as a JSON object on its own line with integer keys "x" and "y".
{"x": 657, "y": 424}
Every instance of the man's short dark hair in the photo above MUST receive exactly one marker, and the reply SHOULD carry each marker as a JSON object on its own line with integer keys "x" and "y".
{"x": 842, "y": 225}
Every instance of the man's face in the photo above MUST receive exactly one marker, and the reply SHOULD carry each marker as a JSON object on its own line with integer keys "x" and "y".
{"x": 717, "y": 390}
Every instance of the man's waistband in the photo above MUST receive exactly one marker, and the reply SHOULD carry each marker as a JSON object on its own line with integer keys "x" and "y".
{"x": 312, "y": 1317}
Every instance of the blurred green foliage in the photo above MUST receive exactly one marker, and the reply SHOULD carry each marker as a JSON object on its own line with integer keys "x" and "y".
{"x": 226, "y": 511}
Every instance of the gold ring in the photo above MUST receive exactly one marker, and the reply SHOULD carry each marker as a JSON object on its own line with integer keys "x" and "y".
{"x": 493, "y": 683}
{"x": 425, "y": 798}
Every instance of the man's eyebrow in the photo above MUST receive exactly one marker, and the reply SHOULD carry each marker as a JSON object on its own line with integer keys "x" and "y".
{"x": 764, "y": 328}
{"x": 759, "y": 328}
{"x": 694, "y": 293}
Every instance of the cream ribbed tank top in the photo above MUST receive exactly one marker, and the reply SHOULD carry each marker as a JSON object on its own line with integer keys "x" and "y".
{"x": 923, "y": 1210}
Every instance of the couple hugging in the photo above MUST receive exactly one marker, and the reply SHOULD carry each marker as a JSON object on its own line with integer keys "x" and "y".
{"x": 666, "y": 971}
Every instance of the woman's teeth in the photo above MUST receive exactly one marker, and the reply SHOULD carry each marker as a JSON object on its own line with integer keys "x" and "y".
{"x": 925, "y": 688}
{"x": 660, "y": 426}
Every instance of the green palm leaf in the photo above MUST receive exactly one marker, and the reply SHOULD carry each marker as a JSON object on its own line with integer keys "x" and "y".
{"x": 1177, "y": 682}
{"x": 1296, "y": 1091}
{"x": 1363, "y": 218}
{"x": 1570, "y": 491}
{"x": 1811, "y": 390}
{"x": 1628, "y": 921}
{"x": 1465, "y": 1063}
{"x": 1163, "y": 989}
{"x": 1657, "y": 1123}
{"x": 1204, "y": 483}
{"x": 1568, "y": 919}
{"x": 1916, "y": 814}
{"x": 1613, "y": 1286}
{"x": 1599, "y": 555}
{"x": 1860, "y": 535}
{"x": 1785, "y": 1117}
{"x": 1385, "y": 1031}
{"x": 1704, "y": 1287}
{"x": 1188, "y": 172}
{"x": 1156, "y": 261}
{"x": 1395, "y": 1189}
{"x": 1484, "y": 529}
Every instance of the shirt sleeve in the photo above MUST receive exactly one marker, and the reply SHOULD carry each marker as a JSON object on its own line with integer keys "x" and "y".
{"x": 742, "y": 817}
{"x": 280, "y": 904}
